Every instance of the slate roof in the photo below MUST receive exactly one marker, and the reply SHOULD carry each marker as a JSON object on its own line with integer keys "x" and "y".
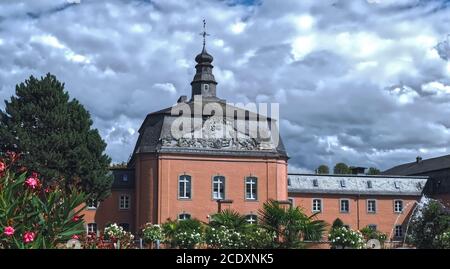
{"x": 356, "y": 184}
{"x": 415, "y": 168}
{"x": 155, "y": 136}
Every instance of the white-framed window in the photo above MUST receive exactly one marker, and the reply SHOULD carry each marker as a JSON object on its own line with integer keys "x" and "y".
{"x": 91, "y": 228}
{"x": 124, "y": 201}
{"x": 92, "y": 204}
{"x": 124, "y": 177}
{"x": 317, "y": 205}
{"x": 373, "y": 227}
{"x": 371, "y": 206}
{"x": 251, "y": 218}
{"x": 398, "y": 232}
{"x": 344, "y": 205}
{"x": 184, "y": 216}
{"x": 218, "y": 187}
{"x": 184, "y": 187}
{"x": 291, "y": 200}
{"x": 251, "y": 188}
{"x": 398, "y": 206}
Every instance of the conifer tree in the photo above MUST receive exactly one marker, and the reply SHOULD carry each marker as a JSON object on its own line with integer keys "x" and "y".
{"x": 54, "y": 136}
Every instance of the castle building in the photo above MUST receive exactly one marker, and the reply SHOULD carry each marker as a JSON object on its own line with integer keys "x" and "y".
{"x": 194, "y": 159}
{"x": 384, "y": 203}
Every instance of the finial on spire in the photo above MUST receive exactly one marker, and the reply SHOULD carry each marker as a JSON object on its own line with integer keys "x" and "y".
{"x": 204, "y": 33}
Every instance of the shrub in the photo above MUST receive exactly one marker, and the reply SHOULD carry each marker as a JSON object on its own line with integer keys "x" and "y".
{"x": 224, "y": 238}
{"x": 152, "y": 233}
{"x": 188, "y": 233}
{"x": 444, "y": 240}
{"x": 34, "y": 214}
{"x": 342, "y": 237}
{"x": 337, "y": 223}
{"x": 369, "y": 233}
{"x": 121, "y": 239}
{"x": 429, "y": 223}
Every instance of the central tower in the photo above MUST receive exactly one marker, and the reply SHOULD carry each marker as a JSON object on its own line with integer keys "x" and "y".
{"x": 204, "y": 83}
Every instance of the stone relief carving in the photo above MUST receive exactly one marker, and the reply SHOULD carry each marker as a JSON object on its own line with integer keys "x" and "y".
{"x": 217, "y": 133}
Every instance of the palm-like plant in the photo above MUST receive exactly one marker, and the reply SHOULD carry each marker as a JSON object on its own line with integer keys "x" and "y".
{"x": 230, "y": 219}
{"x": 290, "y": 225}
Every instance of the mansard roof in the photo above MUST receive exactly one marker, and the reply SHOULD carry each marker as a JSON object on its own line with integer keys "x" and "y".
{"x": 356, "y": 184}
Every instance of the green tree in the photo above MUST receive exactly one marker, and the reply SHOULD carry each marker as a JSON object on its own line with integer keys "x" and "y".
{"x": 323, "y": 169}
{"x": 53, "y": 135}
{"x": 337, "y": 223}
{"x": 290, "y": 225}
{"x": 428, "y": 224}
{"x": 230, "y": 219}
{"x": 373, "y": 171}
{"x": 341, "y": 169}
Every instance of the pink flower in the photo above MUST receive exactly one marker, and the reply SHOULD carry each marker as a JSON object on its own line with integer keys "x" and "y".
{"x": 75, "y": 218}
{"x": 9, "y": 231}
{"x": 28, "y": 237}
{"x": 75, "y": 237}
{"x": 2, "y": 166}
{"x": 32, "y": 181}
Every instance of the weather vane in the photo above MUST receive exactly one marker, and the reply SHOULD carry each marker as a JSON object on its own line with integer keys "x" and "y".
{"x": 204, "y": 33}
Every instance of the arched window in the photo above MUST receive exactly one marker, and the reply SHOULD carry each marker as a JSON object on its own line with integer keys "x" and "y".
{"x": 251, "y": 218}
{"x": 218, "y": 187}
{"x": 184, "y": 216}
{"x": 184, "y": 187}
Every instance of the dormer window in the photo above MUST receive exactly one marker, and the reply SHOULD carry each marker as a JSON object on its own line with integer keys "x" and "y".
{"x": 397, "y": 184}
{"x": 342, "y": 183}
{"x": 369, "y": 184}
{"x": 315, "y": 183}
{"x": 125, "y": 178}
{"x": 289, "y": 182}
{"x": 206, "y": 87}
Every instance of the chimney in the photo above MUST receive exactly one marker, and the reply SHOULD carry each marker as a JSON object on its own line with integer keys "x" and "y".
{"x": 418, "y": 159}
{"x": 182, "y": 99}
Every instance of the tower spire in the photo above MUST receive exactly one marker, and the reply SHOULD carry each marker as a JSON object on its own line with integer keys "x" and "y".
{"x": 204, "y": 82}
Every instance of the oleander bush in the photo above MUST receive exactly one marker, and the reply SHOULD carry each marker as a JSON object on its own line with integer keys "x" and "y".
{"x": 33, "y": 213}
{"x": 152, "y": 233}
{"x": 343, "y": 237}
{"x": 119, "y": 237}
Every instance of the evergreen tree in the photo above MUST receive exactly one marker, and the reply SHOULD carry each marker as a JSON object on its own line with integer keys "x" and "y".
{"x": 373, "y": 171}
{"x": 53, "y": 135}
{"x": 323, "y": 169}
{"x": 341, "y": 169}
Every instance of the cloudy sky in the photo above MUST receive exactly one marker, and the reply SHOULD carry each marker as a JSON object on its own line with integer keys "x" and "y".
{"x": 366, "y": 82}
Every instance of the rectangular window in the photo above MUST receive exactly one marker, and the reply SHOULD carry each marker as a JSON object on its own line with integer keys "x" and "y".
{"x": 317, "y": 205}
{"x": 369, "y": 184}
{"x": 125, "y": 178}
{"x": 219, "y": 187}
{"x": 92, "y": 228}
{"x": 398, "y": 231}
{"x": 371, "y": 206}
{"x": 398, "y": 206}
{"x": 184, "y": 187}
{"x": 291, "y": 200}
{"x": 251, "y": 188}
{"x": 92, "y": 204}
{"x": 397, "y": 184}
{"x": 342, "y": 183}
{"x": 124, "y": 202}
{"x": 373, "y": 227}
{"x": 251, "y": 219}
{"x": 345, "y": 205}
